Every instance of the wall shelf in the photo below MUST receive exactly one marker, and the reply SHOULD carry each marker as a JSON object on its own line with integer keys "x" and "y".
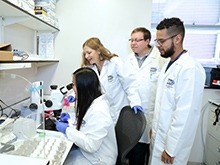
{"x": 31, "y": 61}
{"x": 10, "y": 14}
{"x": 5, "y": 65}
{"x": 8, "y": 10}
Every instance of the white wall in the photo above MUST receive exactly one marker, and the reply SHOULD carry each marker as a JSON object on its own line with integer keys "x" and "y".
{"x": 110, "y": 20}
{"x": 19, "y": 37}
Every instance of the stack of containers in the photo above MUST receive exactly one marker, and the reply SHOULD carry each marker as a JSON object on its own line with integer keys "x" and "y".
{"x": 27, "y": 5}
{"x": 48, "y": 7}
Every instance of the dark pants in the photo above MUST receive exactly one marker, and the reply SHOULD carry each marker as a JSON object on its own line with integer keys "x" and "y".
{"x": 139, "y": 155}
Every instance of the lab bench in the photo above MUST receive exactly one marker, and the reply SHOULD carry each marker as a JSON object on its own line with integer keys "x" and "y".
{"x": 46, "y": 147}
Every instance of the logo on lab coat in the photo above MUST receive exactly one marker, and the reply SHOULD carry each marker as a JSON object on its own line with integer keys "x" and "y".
{"x": 153, "y": 72}
{"x": 170, "y": 83}
{"x": 82, "y": 125}
{"x": 110, "y": 78}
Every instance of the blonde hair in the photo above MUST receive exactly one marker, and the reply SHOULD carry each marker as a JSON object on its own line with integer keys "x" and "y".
{"x": 95, "y": 44}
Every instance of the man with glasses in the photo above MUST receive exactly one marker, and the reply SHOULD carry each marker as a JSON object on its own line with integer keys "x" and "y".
{"x": 145, "y": 63}
{"x": 178, "y": 99}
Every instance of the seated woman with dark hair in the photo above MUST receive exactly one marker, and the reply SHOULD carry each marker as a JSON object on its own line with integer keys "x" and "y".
{"x": 91, "y": 127}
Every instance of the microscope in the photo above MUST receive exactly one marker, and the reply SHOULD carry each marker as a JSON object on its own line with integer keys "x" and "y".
{"x": 57, "y": 99}
{"x": 54, "y": 104}
{"x": 50, "y": 106}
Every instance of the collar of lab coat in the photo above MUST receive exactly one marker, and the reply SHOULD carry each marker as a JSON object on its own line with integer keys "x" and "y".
{"x": 103, "y": 96}
{"x": 178, "y": 62}
{"x": 147, "y": 61}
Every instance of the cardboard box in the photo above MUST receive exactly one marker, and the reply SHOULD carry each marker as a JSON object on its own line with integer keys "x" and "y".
{"x": 6, "y": 53}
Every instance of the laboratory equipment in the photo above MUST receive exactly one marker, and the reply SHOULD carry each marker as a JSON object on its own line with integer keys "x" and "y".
{"x": 37, "y": 96}
{"x": 212, "y": 145}
{"x": 58, "y": 99}
{"x": 12, "y": 96}
{"x": 18, "y": 133}
{"x": 6, "y": 122}
{"x": 212, "y": 77}
{"x": 50, "y": 148}
{"x": 54, "y": 102}
{"x": 215, "y": 78}
{"x": 217, "y": 115}
{"x": 25, "y": 128}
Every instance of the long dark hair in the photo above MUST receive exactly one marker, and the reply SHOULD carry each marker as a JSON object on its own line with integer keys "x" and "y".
{"x": 88, "y": 89}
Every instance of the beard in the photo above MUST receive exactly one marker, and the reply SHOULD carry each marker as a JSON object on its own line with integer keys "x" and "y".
{"x": 169, "y": 52}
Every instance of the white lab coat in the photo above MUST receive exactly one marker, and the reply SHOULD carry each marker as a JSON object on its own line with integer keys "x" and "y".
{"x": 146, "y": 77}
{"x": 119, "y": 86}
{"x": 177, "y": 110}
{"x": 96, "y": 138}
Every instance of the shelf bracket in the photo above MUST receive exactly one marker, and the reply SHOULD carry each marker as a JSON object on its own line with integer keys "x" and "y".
{"x": 13, "y": 20}
{"x": 6, "y": 21}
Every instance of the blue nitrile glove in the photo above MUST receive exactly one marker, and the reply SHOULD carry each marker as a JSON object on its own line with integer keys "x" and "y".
{"x": 64, "y": 117}
{"x": 61, "y": 127}
{"x": 71, "y": 99}
{"x": 137, "y": 108}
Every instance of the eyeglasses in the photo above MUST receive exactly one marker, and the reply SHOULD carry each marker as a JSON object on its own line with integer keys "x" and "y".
{"x": 136, "y": 40}
{"x": 161, "y": 41}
